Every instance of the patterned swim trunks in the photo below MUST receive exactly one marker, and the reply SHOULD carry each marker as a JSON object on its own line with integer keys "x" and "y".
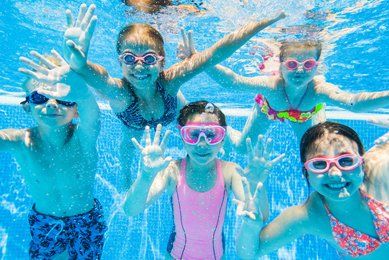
{"x": 82, "y": 235}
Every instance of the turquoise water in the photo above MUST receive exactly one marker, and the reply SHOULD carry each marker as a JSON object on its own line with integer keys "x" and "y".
{"x": 355, "y": 34}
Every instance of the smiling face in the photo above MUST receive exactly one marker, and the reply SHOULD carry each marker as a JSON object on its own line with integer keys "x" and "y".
{"x": 139, "y": 74}
{"x": 300, "y": 75}
{"x": 203, "y": 153}
{"x": 334, "y": 184}
{"x": 47, "y": 110}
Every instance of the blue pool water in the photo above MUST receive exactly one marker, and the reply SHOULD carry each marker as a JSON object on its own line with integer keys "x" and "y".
{"x": 355, "y": 36}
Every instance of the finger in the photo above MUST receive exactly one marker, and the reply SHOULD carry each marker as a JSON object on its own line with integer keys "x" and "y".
{"x": 29, "y": 73}
{"x": 91, "y": 27}
{"x": 74, "y": 49}
{"x": 81, "y": 14}
{"x": 43, "y": 60}
{"x": 268, "y": 148}
{"x": 33, "y": 65}
{"x": 249, "y": 147}
{"x": 184, "y": 38}
{"x": 136, "y": 144}
{"x": 157, "y": 134}
{"x": 58, "y": 56}
{"x": 147, "y": 135}
{"x": 88, "y": 16}
{"x": 246, "y": 189}
{"x": 277, "y": 159}
{"x": 190, "y": 42}
{"x": 69, "y": 18}
{"x": 257, "y": 190}
{"x": 164, "y": 139}
{"x": 259, "y": 146}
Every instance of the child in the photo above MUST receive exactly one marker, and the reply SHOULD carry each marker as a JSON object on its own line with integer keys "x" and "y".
{"x": 147, "y": 94}
{"x": 338, "y": 210}
{"x": 58, "y": 161}
{"x": 199, "y": 184}
{"x": 296, "y": 95}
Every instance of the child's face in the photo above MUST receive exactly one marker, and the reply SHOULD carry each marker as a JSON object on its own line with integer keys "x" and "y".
{"x": 51, "y": 113}
{"x": 202, "y": 152}
{"x": 141, "y": 74}
{"x": 302, "y": 74}
{"x": 335, "y": 184}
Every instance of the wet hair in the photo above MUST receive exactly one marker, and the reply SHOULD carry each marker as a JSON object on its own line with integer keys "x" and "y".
{"x": 199, "y": 107}
{"x": 290, "y": 45}
{"x": 141, "y": 33}
{"x": 317, "y": 131}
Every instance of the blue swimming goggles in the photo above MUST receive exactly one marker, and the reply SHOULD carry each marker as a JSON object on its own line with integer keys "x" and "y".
{"x": 38, "y": 99}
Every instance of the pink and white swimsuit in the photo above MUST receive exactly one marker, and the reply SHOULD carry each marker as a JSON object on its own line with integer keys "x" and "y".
{"x": 199, "y": 218}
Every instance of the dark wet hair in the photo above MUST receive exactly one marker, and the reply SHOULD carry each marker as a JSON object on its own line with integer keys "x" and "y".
{"x": 294, "y": 44}
{"x": 141, "y": 33}
{"x": 199, "y": 107}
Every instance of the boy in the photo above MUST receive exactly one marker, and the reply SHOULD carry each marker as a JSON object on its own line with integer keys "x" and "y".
{"x": 58, "y": 161}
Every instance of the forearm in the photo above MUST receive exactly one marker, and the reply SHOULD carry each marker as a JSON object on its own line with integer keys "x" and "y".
{"x": 98, "y": 78}
{"x": 224, "y": 76}
{"x": 247, "y": 243}
{"x": 367, "y": 101}
{"x": 231, "y": 42}
{"x": 136, "y": 197}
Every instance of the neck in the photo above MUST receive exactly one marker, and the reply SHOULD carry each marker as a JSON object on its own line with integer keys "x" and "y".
{"x": 146, "y": 94}
{"x": 200, "y": 168}
{"x": 54, "y": 136}
{"x": 294, "y": 93}
{"x": 351, "y": 205}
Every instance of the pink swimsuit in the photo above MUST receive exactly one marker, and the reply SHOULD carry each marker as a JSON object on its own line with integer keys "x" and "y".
{"x": 356, "y": 243}
{"x": 199, "y": 218}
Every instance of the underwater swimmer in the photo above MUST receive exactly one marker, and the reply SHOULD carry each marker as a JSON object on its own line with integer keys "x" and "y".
{"x": 333, "y": 165}
{"x": 58, "y": 161}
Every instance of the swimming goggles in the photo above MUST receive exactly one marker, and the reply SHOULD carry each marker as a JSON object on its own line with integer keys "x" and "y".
{"x": 344, "y": 162}
{"x": 38, "y": 99}
{"x": 292, "y": 64}
{"x": 213, "y": 134}
{"x": 149, "y": 58}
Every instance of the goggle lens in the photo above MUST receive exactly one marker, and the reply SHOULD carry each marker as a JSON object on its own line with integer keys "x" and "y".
{"x": 346, "y": 162}
{"x": 212, "y": 134}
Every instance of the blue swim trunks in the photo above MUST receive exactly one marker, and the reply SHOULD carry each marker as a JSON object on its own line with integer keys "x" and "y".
{"x": 82, "y": 235}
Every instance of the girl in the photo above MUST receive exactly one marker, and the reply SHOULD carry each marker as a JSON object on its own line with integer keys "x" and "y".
{"x": 199, "y": 184}
{"x": 147, "y": 94}
{"x": 333, "y": 165}
{"x": 296, "y": 94}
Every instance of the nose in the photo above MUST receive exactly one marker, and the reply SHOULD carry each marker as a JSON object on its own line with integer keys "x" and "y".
{"x": 52, "y": 104}
{"x": 334, "y": 171}
{"x": 202, "y": 141}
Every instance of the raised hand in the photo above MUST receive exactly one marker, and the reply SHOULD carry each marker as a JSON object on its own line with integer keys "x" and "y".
{"x": 78, "y": 36}
{"x": 259, "y": 161}
{"x": 247, "y": 207}
{"x": 186, "y": 48}
{"x": 55, "y": 73}
{"x": 153, "y": 159}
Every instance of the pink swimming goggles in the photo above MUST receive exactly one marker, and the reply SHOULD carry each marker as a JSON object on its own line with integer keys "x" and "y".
{"x": 212, "y": 133}
{"x": 292, "y": 64}
{"x": 344, "y": 162}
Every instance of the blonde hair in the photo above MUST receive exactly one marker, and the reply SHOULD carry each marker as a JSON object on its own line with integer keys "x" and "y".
{"x": 290, "y": 45}
{"x": 140, "y": 33}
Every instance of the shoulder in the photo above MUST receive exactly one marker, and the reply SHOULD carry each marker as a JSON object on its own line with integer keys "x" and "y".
{"x": 230, "y": 171}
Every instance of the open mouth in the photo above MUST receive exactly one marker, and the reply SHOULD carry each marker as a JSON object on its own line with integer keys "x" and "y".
{"x": 140, "y": 76}
{"x": 337, "y": 186}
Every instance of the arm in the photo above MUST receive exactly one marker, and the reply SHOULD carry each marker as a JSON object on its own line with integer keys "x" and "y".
{"x": 288, "y": 226}
{"x": 356, "y": 102}
{"x": 77, "y": 39}
{"x": 153, "y": 178}
{"x": 185, "y": 70}
{"x": 9, "y": 139}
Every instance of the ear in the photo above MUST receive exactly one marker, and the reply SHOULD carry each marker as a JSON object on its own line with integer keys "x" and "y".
{"x": 26, "y": 107}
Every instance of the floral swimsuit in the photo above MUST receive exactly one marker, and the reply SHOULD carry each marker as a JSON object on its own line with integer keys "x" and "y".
{"x": 356, "y": 243}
